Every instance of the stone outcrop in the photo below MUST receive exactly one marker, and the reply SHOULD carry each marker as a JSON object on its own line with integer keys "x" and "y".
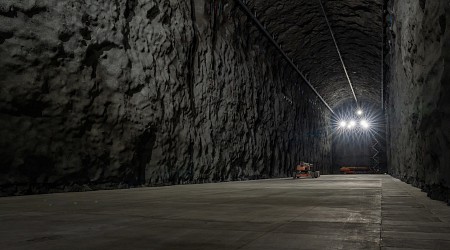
{"x": 125, "y": 93}
{"x": 419, "y": 95}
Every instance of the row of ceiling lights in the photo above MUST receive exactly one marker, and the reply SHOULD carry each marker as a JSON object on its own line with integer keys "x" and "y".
{"x": 352, "y": 124}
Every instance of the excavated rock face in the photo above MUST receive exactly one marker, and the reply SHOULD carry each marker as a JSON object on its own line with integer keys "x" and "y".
{"x": 419, "y": 95}
{"x": 300, "y": 27}
{"x": 107, "y": 94}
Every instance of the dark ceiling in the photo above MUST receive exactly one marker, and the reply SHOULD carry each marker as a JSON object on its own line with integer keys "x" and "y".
{"x": 302, "y": 30}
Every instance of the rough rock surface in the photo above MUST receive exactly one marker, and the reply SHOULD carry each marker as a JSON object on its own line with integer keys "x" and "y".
{"x": 419, "y": 95}
{"x": 109, "y": 94}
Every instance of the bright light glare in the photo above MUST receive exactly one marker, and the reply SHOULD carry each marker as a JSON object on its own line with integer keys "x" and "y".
{"x": 343, "y": 124}
{"x": 359, "y": 112}
{"x": 351, "y": 124}
{"x": 364, "y": 124}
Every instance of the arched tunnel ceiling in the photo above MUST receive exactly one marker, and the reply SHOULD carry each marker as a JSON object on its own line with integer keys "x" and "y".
{"x": 300, "y": 27}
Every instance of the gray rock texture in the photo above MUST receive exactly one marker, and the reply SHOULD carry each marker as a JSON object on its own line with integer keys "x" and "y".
{"x": 115, "y": 94}
{"x": 419, "y": 95}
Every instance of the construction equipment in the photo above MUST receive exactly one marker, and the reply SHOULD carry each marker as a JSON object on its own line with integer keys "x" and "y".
{"x": 305, "y": 170}
{"x": 356, "y": 170}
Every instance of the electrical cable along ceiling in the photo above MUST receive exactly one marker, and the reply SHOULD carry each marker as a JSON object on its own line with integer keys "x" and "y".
{"x": 301, "y": 27}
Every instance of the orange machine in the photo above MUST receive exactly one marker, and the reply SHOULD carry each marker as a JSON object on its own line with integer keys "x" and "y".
{"x": 305, "y": 170}
{"x": 355, "y": 170}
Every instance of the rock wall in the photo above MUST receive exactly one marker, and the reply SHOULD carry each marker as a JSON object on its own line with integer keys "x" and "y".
{"x": 124, "y": 93}
{"x": 418, "y": 112}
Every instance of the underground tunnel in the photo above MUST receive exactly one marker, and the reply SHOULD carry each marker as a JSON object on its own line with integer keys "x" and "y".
{"x": 188, "y": 119}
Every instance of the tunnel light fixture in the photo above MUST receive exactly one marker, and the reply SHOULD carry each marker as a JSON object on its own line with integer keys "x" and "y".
{"x": 356, "y": 122}
{"x": 364, "y": 124}
{"x": 351, "y": 124}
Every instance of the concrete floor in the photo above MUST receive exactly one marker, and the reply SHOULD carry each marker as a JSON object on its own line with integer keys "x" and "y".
{"x": 332, "y": 212}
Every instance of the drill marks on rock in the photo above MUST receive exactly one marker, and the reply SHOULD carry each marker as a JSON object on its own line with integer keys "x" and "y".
{"x": 192, "y": 55}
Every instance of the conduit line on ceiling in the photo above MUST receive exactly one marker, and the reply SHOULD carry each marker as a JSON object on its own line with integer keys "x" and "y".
{"x": 339, "y": 52}
{"x": 261, "y": 27}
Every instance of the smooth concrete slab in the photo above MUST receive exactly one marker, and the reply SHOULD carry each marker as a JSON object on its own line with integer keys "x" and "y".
{"x": 332, "y": 212}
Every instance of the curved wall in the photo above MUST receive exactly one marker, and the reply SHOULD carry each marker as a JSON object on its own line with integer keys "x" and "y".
{"x": 116, "y": 94}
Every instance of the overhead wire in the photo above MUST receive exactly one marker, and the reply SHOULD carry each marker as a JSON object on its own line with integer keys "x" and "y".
{"x": 339, "y": 53}
{"x": 261, "y": 27}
